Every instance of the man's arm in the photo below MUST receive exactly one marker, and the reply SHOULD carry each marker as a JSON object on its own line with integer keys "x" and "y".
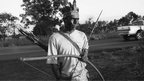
{"x": 84, "y": 55}
{"x": 56, "y": 70}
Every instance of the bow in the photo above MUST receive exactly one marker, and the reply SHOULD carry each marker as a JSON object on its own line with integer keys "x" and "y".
{"x": 96, "y": 23}
{"x": 58, "y": 56}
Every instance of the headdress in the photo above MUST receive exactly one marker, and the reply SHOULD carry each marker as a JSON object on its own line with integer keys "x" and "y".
{"x": 71, "y": 10}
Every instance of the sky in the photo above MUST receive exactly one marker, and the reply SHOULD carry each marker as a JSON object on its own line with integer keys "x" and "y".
{"x": 112, "y": 9}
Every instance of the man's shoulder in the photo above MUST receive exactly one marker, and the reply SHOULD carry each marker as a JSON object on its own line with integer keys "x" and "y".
{"x": 80, "y": 32}
{"x": 55, "y": 35}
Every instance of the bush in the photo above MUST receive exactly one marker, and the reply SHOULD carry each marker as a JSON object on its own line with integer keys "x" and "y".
{"x": 15, "y": 42}
{"x": 105, "y": 35}
{"x": 21, "y": 41}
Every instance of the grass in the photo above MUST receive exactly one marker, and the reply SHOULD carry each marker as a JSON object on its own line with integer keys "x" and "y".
{"x": 123, "y": 64}
{"x": 18, "y": 70}
{"x": 117, "y": 64}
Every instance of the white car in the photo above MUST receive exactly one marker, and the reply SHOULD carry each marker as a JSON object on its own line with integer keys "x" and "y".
{"x": 130, "y": 31}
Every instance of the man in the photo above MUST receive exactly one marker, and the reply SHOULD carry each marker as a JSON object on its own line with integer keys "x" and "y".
{"x": 69, "y": 68}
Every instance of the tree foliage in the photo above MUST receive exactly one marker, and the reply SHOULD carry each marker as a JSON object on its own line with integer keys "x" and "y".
{"x": 128, "y": 19}
{"x": 43, "y": 13}
{"x": 104, "y": 26}
{"x": 7, "y": 23}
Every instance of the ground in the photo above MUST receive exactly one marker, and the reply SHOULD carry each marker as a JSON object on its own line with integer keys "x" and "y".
{"x": 123, "y": 64}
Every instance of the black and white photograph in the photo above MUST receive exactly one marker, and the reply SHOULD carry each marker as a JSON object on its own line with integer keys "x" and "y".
{"x": 71, "y": 40}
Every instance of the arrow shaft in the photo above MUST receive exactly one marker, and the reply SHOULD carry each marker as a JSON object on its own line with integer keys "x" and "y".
{"x": 46, "y": 57}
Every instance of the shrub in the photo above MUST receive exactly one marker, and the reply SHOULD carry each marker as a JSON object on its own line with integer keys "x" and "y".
{"x": 15, "y": 42}
{"x": 105, "y": 35}
{"x": 21, "y": 41}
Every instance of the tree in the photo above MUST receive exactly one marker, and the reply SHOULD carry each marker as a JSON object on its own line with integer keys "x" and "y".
{"x": 87, "y": 26}
{"x": 128, "y": 19}
{"x": 43, "y": 13}
{"x": 7, "y": 24}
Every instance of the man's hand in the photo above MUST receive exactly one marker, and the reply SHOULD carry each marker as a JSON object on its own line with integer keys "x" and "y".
{"x": 83, "y": 58}
{"x": 84, "y": 55}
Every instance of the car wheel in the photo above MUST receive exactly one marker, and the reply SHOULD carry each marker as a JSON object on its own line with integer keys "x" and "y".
{"x": 138, "y": 35}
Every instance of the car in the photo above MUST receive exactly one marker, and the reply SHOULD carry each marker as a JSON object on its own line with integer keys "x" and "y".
{"x": 130, "y": 31}
{"x": 134, "y": 29}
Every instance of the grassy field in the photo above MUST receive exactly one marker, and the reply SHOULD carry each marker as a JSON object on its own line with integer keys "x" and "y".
{"x": 123, "y": 64}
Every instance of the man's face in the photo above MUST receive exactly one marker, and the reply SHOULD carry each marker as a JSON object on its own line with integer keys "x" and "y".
{"x": 71, "y": 22}
{"x": 75, "y": 21}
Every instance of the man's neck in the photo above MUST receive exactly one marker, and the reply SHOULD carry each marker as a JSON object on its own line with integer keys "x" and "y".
{"x": 69, "y": 32}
